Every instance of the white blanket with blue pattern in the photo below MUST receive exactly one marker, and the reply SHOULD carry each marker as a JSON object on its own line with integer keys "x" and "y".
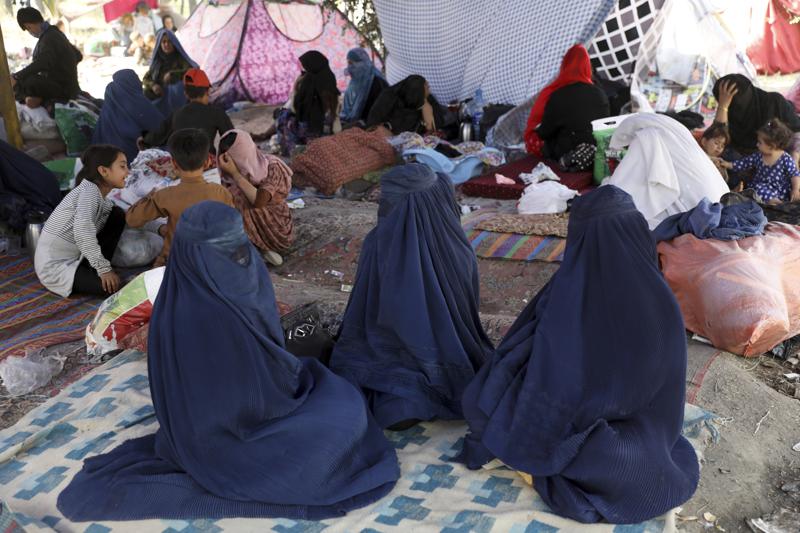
{"x": 41, "y": 453}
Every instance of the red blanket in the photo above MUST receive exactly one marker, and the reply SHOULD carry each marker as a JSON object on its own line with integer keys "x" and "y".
{"x": 486, "y": 186}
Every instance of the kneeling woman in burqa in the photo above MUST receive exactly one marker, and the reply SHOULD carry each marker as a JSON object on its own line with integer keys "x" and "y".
{"x": 246, "y": 429}
{"x": 586, "y": 392}
{"x": 411, "y": 337}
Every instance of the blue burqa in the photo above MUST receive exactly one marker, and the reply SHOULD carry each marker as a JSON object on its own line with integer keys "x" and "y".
{"x": 246, "y": 428}
{"x": 126, "y": 114}
{"x": 173, "y": 97}
{"x": 362, "y": 72}
{"x": 411, "y": 337}
{"x": 586, "y": 392}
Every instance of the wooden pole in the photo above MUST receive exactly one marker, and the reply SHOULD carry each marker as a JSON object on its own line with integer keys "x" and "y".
{"x": 8, "y": 108}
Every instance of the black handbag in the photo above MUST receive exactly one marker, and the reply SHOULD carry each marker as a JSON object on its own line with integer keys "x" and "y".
{"x": 304, "y": 334}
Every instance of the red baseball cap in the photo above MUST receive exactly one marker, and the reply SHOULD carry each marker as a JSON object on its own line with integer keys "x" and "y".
{"x": 195, "y": 77}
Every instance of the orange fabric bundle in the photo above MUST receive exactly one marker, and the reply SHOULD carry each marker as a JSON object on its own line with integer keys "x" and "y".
{"x": 744, "y": 296}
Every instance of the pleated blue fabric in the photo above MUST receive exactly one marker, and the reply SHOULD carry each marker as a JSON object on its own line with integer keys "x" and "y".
{"x": 126, "y": 114}
{"x": 411, "y": 337}
{"x": 586, "y": 392}
{"x": 246, "y": 428}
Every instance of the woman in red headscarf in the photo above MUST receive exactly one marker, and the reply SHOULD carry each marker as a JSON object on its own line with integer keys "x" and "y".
{"x": 560, "y": 120}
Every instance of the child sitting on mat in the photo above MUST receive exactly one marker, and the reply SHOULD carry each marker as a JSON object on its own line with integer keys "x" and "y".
{"x": 714, "y": 141}
{"x": 79, "y": 239}
{"x": 777, "y": 178}
{"x": 189, "y": 149}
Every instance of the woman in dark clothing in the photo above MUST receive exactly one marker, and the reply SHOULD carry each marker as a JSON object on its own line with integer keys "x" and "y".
{"x": 407, "y": 106}
{"x": 312, "y": 109}
{"x": 170, "y": 62}
{"x": 563, "y": 401}
{"x": 317, "y": 97}
{"x": 746, "y": 108}
{"x": 411, "y": 337}
{"x": 366, "y": 85}
{"x": 566, "y": 125}
{"x": 255, "y": 433}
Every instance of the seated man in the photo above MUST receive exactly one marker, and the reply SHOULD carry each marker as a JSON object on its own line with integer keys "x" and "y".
{"x": 53, "y": 73}
{"x": 198, "y": 113}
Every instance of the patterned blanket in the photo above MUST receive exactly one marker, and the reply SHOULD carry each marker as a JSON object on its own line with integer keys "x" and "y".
{"x": 30, "y": 316}
{"x": 44, "y": 450}
{"x": 507, "y": 245}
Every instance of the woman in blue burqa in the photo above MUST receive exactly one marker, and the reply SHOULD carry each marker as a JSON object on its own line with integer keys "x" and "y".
{"x": 411, "y": 337}
{"x": 366, "y": 85}
{"x": 163, "y": 82}
{"x": 126, "y": 114}
{"x": 586, "y": 392}
{"x": 246, "y": 428}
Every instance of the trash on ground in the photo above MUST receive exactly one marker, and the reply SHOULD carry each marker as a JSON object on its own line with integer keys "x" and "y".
{"x": 784, "y": 521}
{"x": 792, "y": 486}
{"x": 21, "y": 375}
{"x": 297, "y": 203}
{"x": 699, "y": 338}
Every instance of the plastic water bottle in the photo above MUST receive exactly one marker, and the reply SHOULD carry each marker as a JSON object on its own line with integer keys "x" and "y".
{"x": 477, "y": 114}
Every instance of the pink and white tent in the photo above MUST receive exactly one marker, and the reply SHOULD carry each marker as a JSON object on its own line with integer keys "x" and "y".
{"x": 249, "y": 48}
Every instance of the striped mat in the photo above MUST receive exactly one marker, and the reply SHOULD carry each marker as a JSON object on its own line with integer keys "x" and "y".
{"x": 493, "y": 245}
{"x": 32, "y": 317}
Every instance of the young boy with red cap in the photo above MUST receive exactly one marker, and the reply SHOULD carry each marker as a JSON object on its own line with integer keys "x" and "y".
{"x": 198, "y": 113}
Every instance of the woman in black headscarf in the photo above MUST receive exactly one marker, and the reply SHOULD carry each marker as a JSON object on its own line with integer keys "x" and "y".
{"x": 317, "y": 96}
{"x": 745, "y": 108}
{"x": 407, "y": 106}
{"x": 313, "y": 108}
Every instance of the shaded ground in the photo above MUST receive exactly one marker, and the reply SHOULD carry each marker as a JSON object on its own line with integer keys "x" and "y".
{"x": 742, "y": 474}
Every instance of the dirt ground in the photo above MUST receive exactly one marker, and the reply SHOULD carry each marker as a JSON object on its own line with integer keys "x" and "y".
{"x": 742, "y": 474}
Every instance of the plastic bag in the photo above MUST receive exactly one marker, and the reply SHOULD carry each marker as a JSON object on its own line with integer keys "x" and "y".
{"x": 743, "y": 296}
{"x": 76, "y": 123}
{"x": 540, "y": 173}
{"x": 22, "y": 375}
{"x": 123, "y": 313}
{"x": 304, "y": 334}
{"x": 136, "y": 248}
{"x": 545, "y": 197}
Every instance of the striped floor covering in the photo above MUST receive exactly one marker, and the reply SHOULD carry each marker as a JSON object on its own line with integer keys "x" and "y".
{"x": 30, "y": 316}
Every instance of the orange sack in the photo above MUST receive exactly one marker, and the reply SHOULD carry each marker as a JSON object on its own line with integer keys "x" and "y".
{"x": 744, "y": 296}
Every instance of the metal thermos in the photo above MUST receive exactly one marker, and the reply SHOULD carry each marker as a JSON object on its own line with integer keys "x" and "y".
{"x": 33, "y": 231}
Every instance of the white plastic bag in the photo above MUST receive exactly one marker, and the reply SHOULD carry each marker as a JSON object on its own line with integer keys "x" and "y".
{"x": 123, "y": 313}
{"x": 540, "y": 173}
{"x": 546, "y": 197}
{"x": 22, "y": 375}
{"x": 136, "y": 248}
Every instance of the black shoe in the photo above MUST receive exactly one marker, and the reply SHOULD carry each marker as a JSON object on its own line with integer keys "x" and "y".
{"x": 404, "y": 424}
